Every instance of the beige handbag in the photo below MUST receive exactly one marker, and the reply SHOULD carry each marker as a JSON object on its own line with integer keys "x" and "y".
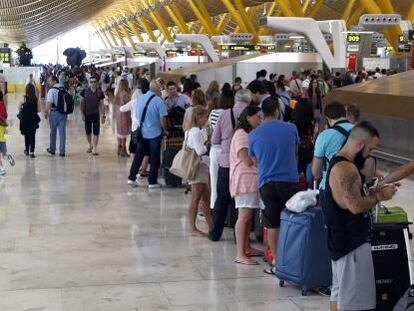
{"x": 185, "y": 163}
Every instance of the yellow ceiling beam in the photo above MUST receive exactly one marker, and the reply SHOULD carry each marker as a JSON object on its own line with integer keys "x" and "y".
{"x": 201, "y": 30}
{"x": 103, "y": 35}
{"x": 235, "y": 15}
{"x": 316, "y": 8}
{"x": 306, "y": 6}
{"x": 284, "y": 7}
{"x": 144, "y": 25}
{"x": 247, "y": 21}
{"x": 206, "y": 15}
{"x": 353, "y": 20}
{"x": 348, "y": 10}
{"x": 117, "y": 33}
{"x": 178, "y": 15}
{"x": 410, "y": 14}
{"x": 127, "y": 35}
{"x": 156, "y": 17}
{"x": 132, "y": 26}
{"x": 200, "y": 16}
{"x": 224, "y": 21}
{"x": 182, "y": 27}
{"x": 296, "y": 8}
{"x": 111, "y": 35}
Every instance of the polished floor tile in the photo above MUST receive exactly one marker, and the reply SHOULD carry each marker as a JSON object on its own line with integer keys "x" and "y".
{"x": 75, "y": 237}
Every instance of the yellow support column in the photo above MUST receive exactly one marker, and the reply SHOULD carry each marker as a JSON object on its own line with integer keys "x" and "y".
{"x": 206, "y": 15}
{"x": 178, "y": 15}
{"x": 108, "y": 34}
{"x": 305, "y": 6}
{"x": 131, "y": 26}
{"x": 235, "y": 15}
{"x": 224, "y": 21}
{"x": 200, "y": 17}
{"x": 284, "y": 7}
{"x": 353, "y": 20}
{"x": 158, "y": 21}
{"x": 316, "y": 8}
{"x": 296, "y": 8}
{"x": 117, "y": 33}
{"x": 127, "y": 35}
{"x": 247, "y": 21}
{"x": 201, "y": 30}
{"x": 181, "y": 26}
{"x": 103, "y": 36}
{"x": 410, "y": 14}
{"x": 348, "y": 10}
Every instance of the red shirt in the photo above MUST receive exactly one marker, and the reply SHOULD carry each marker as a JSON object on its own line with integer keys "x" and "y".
{"x": 3, "y": 111}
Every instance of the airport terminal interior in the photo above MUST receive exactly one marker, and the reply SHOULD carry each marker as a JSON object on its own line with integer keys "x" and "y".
{"x": 178, "y": 155}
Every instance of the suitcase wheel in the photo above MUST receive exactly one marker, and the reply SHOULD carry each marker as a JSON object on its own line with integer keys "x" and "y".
{"x": 304, "y": 291}
{"x": 281, "y": 283}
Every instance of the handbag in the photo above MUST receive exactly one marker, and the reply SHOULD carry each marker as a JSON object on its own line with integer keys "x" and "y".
{"x": 136, "y": 135}
{"x": 185, "y": 163}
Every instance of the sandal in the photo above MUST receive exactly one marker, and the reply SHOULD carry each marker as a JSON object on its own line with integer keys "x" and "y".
{"x": 254, "y": 253}
{"x": 270, "y": 270}
{"x": 249, "y": 262}
{"x": 89, "y": 150}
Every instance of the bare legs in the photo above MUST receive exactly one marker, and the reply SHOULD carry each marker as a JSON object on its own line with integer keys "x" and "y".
{"x": 200, "y": 195}
{"x": 122, "y": 147}
{"x": 243, "y": 227}
{"x": 273, "y": 237}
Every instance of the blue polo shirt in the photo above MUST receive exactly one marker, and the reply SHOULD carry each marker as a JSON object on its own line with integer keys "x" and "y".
{"x": 156, "y": 110}
{"x": 327, "y": 145}
{"x": 273, "y": 144}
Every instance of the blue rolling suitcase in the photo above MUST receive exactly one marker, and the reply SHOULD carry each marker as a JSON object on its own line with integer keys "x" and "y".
{"x": 303, "y": 256}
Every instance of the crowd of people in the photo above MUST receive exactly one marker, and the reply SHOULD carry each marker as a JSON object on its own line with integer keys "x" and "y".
{"x": 254, "y": 141}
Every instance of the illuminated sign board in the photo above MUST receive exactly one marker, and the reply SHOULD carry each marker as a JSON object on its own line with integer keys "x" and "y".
{"x": 5, "y": 55}
{"x": 247, "y": 47}
{"x": 404, "y": 48}
{"x": 353, "y": 38}
{"x": 401, "y": 39}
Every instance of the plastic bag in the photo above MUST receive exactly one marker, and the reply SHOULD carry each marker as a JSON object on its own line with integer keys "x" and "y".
{"x": 302, "y": 200}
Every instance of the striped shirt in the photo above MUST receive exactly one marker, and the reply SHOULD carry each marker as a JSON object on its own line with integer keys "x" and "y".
{"x": 214, "y": 115}
{"x": 243, "y": 178}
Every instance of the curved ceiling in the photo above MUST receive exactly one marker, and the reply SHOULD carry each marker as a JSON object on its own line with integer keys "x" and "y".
{"x": 36, "y": 21}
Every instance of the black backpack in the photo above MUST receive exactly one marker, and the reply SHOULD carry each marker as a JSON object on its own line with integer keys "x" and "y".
{"x": 65, "y": 103}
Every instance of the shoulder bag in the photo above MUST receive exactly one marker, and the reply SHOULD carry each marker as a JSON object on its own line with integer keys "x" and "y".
{"x": 137, "y": 134}
{"x": 185, "y": 163}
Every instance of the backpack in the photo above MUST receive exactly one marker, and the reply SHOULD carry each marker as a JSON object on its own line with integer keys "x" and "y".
{"x": 345, "y": 133}
{"x": 65, "y": 103}
{"x": 288, "y": 113}
{"x": 305, "y": 152}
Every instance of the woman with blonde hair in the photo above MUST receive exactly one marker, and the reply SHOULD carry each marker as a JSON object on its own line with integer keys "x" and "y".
{"x": 196, "y": 140}
{"x": 213, "y": 91}
{"x": 198, "y": 99}
{"x": 123, "y": 119}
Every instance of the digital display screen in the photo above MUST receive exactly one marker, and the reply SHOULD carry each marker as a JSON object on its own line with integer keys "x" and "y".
{"x": 247, "y": 47}
{"x": 401, "y": 39}
{"x": 353, "y": 38}
{"x": 5, "y": 55}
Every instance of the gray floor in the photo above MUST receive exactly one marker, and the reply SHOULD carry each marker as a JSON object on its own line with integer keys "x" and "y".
{"x": 73, "y": 236}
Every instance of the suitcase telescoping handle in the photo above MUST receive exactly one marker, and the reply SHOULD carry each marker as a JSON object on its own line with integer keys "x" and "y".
{"x": 377, "y": 212}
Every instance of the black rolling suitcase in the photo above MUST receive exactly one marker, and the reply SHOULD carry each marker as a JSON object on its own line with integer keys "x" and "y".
{"x": 392, "y": 262}
{"x": 173, "y": 144}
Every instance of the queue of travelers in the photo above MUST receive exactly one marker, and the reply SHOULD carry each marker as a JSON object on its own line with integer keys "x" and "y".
{"x": 254, "y": 142}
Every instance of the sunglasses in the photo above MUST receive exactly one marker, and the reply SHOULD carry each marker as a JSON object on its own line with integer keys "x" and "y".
{"x": 93, "y": 81}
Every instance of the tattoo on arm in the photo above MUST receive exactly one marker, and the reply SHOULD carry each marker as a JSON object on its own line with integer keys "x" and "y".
{"x": 349, "y": 183}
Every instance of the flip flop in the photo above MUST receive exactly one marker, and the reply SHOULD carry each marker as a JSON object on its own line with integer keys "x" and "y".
{"x": 270, "y": 270}
{"x": 89, "y": 150}
{"x": 95, "y": 153}
{"x": 246, "y": 262}
{"x": 255, "y": 253}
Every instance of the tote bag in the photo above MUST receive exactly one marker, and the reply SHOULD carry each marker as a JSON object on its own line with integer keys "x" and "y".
{"x": 185, "y": 163}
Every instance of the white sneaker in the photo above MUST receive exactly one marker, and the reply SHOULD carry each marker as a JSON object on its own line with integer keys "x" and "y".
{"x": 10, "y": 159}
{"x": 2, "y": 171}
{"x": 133, "y": 183}
{"x": 154, "y": 186}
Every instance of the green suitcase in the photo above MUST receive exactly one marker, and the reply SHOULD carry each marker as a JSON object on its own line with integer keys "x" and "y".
{"x": 393, "y": 214}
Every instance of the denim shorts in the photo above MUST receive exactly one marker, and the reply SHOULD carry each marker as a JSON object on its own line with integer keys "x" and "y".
{"x": 3, "y": 148}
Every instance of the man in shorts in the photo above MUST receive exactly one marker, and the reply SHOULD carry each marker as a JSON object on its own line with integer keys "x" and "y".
{"x": 346, "y": 212}
{"x": 91, "y": 105}
{"x": 274, "y": 145}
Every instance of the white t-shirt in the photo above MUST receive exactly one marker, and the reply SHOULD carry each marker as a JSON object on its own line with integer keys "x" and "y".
{"x": 195, "y": 140}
